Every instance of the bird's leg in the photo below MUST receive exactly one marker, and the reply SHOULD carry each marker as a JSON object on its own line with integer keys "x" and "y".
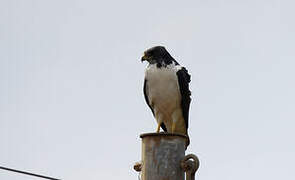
{"x": 159, "y": 119}
{"x": 173, "y": 127}
{"x": 158, "y": 128}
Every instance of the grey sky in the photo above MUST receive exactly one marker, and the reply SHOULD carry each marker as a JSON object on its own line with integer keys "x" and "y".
{"x": 71, "y": 102}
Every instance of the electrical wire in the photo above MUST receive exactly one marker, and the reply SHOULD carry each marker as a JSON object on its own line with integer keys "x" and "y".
{"x": 28, "y": 173}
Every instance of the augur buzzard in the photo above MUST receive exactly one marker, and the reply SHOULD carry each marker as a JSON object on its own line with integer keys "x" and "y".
{"x": 166, "y": 90}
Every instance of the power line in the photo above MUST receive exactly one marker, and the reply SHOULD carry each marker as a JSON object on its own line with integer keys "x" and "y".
{"x": 28, "y": 173}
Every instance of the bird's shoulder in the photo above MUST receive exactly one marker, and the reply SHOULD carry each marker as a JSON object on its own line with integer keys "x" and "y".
{"x": 183, "y": 73}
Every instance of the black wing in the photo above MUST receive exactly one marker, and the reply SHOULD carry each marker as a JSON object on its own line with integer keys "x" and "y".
{"x": 145, "y": 92}
{"x": 183, "y": 81}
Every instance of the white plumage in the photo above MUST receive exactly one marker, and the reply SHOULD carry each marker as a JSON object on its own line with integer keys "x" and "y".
{"x": 166, "y": 90}
{"x": 164, "y": 96}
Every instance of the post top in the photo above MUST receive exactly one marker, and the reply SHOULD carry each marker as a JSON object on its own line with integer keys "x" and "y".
{"x": 163, "y": 134}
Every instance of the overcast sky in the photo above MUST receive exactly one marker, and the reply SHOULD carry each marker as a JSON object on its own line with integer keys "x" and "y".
{"x": 71, "y": 101}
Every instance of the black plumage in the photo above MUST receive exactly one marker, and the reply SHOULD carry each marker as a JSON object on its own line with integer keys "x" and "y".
{"x": 183, "y": 81}
{"x": 164, "y": 80}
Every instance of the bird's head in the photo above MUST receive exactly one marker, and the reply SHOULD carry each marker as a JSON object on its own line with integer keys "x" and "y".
{"x": 157, "y": 54}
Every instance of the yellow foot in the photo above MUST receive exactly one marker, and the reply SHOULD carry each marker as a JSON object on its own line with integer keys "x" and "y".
{"x": 173, "y": 127}
{"x": 158, "y": 128}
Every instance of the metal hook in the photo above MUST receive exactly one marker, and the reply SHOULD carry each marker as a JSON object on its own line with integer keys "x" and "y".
{"x": 190, "y": 166}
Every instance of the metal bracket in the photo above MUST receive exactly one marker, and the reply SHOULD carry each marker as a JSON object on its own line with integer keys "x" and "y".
{"x": 190, "y": 166}
{"x": 137, "y": 166}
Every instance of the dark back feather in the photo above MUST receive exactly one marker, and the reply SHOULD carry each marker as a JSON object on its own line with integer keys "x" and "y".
{"x": 183, "y": 81}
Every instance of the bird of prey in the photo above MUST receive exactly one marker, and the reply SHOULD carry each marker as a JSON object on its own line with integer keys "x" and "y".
{"x": 166, "y": 90}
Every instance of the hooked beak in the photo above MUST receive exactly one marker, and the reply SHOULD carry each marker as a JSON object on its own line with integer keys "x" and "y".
{"x": 144, "y": 58}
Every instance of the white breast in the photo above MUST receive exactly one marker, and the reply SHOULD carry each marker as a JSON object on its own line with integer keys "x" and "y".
{"x": 162, "y": 88}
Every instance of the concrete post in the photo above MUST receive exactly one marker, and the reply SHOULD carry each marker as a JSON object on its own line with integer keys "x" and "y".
{"x": 163, "y": 156}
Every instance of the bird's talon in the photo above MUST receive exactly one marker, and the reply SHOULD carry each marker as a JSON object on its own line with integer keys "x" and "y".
{"x": 158, "y": 128}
